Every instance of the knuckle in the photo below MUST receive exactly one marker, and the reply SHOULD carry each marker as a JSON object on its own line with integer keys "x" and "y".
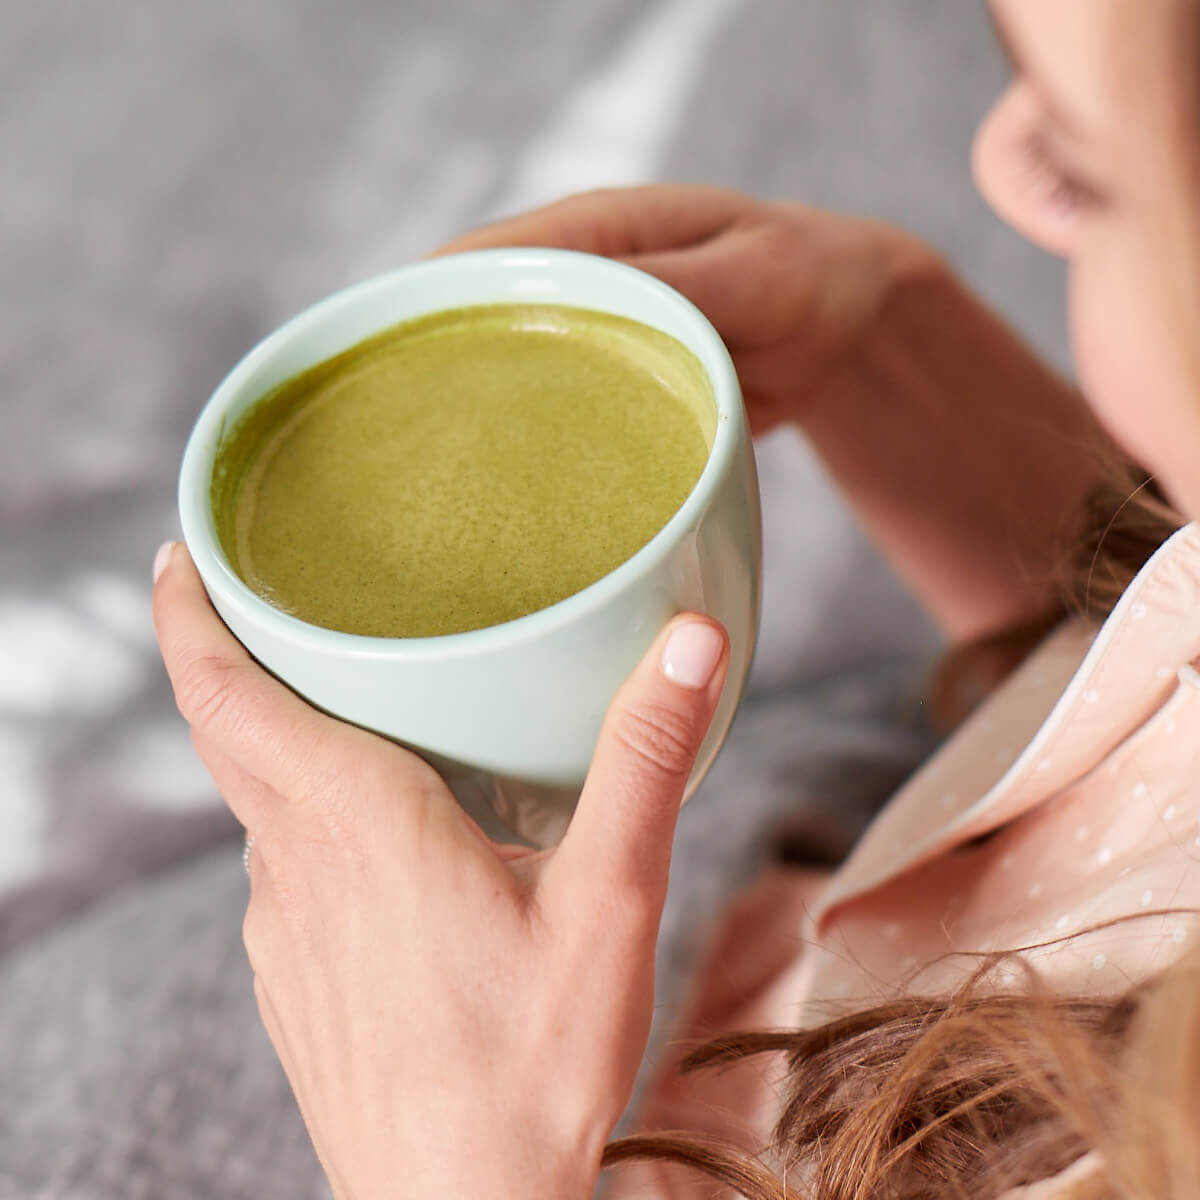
{"x": 254, "y": 938}
{"x": 778, "y": 239}
{"x": 659, "y": 739}
{"x": 335, "y": 833}
{"x": 337, "y": 825}
{"x": 209, "y": 687}
{"x": 281, "y": 916}
{"x": 345, "y": 793}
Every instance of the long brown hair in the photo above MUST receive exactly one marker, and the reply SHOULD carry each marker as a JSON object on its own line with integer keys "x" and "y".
{"x": 1125, "y": 519}
{"x": 973, "y": 1094}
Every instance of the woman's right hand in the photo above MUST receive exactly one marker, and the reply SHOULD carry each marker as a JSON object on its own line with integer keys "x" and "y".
{"x": 792, "y": 291}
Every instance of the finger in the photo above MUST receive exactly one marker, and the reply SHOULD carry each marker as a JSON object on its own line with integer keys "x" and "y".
{"x": 277, "y": 1032}
{"x": 747, "y": 288}
{"x": 619, "y": 840}
{"x": 270, "y": 1019}
{"x": 780, "y": 383}
{"x": 615, "y": 222}
{"x": 233, "y": 704}
{"x": 305, "y": 1087}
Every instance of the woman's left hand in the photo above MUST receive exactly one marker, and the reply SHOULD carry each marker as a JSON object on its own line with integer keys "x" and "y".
{"x": 456, "y": 1018}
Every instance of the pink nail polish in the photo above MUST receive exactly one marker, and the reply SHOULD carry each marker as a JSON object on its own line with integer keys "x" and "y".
{"x": 161, "y": 558}
{"x": 691, "y": 654}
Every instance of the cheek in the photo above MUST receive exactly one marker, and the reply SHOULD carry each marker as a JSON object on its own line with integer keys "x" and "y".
{"x": 1112, "y": 370}
{"x": 1134, "y": 379}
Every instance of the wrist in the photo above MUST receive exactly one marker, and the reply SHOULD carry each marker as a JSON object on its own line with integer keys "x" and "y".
{"x": 860, "y": 275}
{"x": 966, "y": 457}
{"x": 919, "y": 300}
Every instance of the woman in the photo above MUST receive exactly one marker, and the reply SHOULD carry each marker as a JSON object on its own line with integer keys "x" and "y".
{"x": 439, "y": 1051}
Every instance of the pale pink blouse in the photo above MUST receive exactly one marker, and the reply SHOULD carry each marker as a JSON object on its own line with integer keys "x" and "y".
{"x": 1083, "y": 772}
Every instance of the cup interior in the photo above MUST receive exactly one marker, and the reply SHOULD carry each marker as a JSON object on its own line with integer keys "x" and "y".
{"x": 532, "y": 276}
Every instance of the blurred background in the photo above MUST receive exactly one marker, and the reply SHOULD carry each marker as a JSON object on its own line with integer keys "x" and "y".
{"x": 179, "y": 179}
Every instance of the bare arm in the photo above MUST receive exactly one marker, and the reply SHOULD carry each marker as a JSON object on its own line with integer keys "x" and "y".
{"x": 966, "y": 458}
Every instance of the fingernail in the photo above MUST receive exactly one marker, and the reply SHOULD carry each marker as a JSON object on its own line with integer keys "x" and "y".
{"x": 162, "y": 558}
{"x": 691, "y": 654}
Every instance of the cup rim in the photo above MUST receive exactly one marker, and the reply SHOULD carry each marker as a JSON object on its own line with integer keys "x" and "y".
{"x": 195, "y": 479}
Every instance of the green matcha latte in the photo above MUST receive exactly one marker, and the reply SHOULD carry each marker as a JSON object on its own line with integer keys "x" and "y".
{"x": 462, "y": 469}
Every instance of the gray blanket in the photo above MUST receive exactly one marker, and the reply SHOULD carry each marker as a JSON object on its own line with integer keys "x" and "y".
{"x": 180, "y": 178}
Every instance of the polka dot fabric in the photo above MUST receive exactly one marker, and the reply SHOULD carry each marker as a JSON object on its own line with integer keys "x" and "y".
{"x": 1071, "y": 799}
{"x": 1095, "y": 818}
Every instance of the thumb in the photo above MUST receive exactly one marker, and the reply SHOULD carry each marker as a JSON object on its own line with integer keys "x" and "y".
{"x": 621, "y": 833}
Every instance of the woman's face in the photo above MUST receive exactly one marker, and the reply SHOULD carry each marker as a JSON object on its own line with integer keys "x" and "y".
{"x": 1094, "y": 154}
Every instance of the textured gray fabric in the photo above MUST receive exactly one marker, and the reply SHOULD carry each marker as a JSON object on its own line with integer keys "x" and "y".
{"x": 133, "y": 1061}
{"x": 135, "y": 1064}
{"x": 181, "y": 178}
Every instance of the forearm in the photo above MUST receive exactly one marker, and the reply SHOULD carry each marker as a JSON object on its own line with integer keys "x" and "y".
{"x": 965, "y": 457}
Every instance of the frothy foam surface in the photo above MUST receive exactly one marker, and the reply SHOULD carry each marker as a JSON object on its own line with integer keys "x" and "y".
{"x": 462, "y": 470}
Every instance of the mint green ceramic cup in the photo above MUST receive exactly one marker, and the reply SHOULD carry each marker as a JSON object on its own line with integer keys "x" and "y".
{"x": 510, "y": 714}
